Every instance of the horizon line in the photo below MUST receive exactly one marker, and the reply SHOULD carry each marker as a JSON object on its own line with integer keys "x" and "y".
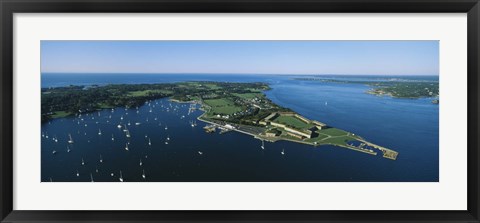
{"x": 151, "y": 73}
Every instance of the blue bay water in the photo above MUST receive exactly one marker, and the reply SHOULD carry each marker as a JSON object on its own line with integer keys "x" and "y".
{"x": 409, "y": 126}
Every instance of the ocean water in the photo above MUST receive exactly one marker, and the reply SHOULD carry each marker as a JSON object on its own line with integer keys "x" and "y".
{"x": 408, "y": 126}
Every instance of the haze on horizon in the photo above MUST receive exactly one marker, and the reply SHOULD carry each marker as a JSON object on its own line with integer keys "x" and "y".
{"x": 242, "y": 57}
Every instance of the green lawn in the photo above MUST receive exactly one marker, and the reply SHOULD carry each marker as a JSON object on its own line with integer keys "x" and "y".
{"x": 60, "y": 114}
{"x": 248, "y": 95}
{"x": 227, "y": 110}
{"x": 292, "y": 121}
{"x": 103, "y": 106}
{"x": 332, "y": 132}
{"x": 218, "y": 102}
{"x": 222, "y": 106}
{"x": 316, "y": 139}
{"x": 338, "y": 140}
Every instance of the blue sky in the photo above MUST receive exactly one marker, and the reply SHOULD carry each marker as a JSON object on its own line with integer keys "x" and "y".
{"x": 249, "y": 57}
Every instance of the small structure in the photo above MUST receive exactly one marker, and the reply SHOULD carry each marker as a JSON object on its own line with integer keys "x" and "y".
{"x": 295, "y": 135}
{"x": 319, "y": 125}
{"x": 210, "y": 128}
{"x": 272, "y": 132}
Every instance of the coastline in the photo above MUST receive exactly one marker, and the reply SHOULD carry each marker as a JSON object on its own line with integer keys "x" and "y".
{"x": 387, "y": 153}
{"x": 293, "y": 128}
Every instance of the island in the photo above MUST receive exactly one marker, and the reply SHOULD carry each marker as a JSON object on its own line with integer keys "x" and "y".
{"x": 241, "y": 107}
{"x": 394, "y": 87}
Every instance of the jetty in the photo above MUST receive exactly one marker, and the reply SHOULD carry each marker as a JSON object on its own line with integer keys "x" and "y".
{"x": 210, "y": 128}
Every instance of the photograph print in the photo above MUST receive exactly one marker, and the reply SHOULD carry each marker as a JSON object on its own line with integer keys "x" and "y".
{"x": 239, "y": 111}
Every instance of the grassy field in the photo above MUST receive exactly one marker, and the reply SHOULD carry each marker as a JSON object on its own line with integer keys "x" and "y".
{"x": 104, "y": 106}
{"x": 218, "y": 102}
{"x": 332, "y": 132}
{"x": 316, "y": 139}
{"x": 332, "y": 136}
{"x": 248, "y": 95}
{"x": 222, "y": 106}
{"x": 60, "y": 114}
{"x": 292, "y": 121}
{"x": 228, "y": 110}
{"x": 338, "y": 140}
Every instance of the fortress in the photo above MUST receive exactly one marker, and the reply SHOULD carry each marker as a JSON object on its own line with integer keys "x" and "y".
{"x": 292, "y": 129}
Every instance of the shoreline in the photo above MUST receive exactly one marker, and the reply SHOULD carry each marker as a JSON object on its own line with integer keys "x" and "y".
{"x": 317, "y": 133}
{"x": 384, "y": 150}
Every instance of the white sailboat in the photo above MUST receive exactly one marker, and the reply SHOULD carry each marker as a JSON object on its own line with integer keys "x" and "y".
{"x": 119, "y": 126}
{"x": 113, "y": 139}
{"x": 68, "y": 149}
{"x": 149, "y": 142}
{"x": 121, "y": 177}
{"x": 83, "y": 162}
{"x": 101, "y": 159}
{"x": 54, "y": 152}
{"x": 143, "y": 174}
{"x": 141, "y": 162}
{"x": 283, "y": 152}
{"x": 78, "y": 174}
{"x": 99, "y": 132}
{"x": 166, "y": 127}
{"x": 126, "y": 146}
{"x": 200, "y": 153}
{"x": 70, "y": 139}
{"x": 263, "y": 145}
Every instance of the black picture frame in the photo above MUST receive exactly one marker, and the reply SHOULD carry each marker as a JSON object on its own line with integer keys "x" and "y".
{"x": 9, "y": 7}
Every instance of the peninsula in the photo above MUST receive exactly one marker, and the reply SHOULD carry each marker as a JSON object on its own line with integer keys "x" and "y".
{"x": 394, "y": 87}
{"x": 241, "y": 107}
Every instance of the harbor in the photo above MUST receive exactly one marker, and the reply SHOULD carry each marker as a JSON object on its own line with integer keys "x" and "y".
{"x": 221, "y": 160}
